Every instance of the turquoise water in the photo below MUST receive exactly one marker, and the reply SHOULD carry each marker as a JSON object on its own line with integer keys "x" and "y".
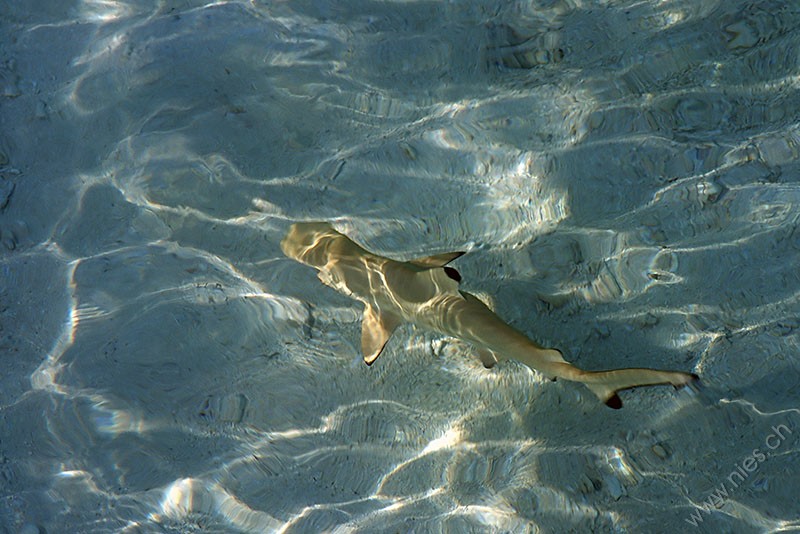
{"x": 623, "y": 175}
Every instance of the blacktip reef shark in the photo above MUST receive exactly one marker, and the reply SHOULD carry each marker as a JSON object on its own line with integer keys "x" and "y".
{"x": 425, "y": 292}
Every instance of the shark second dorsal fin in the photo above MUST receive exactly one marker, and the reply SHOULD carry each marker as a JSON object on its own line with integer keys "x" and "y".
{"x": 375, "y": 331}
{"x": 437, "y": 260}
{"x": 488, "y": 358}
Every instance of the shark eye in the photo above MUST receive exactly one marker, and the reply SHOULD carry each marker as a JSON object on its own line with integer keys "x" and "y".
{"x": 452, "y": 274}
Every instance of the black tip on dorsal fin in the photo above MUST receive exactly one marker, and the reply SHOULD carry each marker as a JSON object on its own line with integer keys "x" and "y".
{"x": 452, "y": 274}
{"x": 614, "y": 402}
{"x": 437, "y": 260}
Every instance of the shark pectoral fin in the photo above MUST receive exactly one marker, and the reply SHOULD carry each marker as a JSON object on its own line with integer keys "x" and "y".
{"x": 437, "y": 260}
{"x": 375, "y": 332}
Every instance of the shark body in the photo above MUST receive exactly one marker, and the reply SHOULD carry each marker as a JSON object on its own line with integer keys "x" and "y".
{"x": 426, "y": 292}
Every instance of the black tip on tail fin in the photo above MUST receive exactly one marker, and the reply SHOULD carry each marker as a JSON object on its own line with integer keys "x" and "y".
{"x": 614, "y": 402}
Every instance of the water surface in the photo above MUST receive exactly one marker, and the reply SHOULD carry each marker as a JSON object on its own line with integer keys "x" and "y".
{"x": 624, "y": 176}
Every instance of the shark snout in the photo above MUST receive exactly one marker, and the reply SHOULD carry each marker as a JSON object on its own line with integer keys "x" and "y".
{"x": 305, "y": 240}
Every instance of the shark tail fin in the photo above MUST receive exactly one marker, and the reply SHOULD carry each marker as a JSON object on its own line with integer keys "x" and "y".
{"x": 606, "y": 384}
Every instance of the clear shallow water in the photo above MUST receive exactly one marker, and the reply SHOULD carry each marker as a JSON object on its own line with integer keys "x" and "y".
{"x": 623, "y": 174}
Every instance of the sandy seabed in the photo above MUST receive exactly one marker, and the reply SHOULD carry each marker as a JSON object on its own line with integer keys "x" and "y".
{"x": 623, "y": 174}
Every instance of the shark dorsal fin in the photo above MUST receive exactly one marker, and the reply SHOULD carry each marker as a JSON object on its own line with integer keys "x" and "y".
{"x": 437, "y": 260}
{"x": 375, "y": 331}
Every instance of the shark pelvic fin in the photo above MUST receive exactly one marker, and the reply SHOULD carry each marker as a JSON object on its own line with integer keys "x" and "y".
{"x": 437, "y": 260}
{"x": 375, "y": 331}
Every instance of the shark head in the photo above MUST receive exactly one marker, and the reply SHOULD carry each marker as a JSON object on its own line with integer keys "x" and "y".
{"x": 308, "y": 242}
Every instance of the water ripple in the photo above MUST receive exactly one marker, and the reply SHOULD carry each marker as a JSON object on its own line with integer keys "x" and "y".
{"x": 624, "y": 176}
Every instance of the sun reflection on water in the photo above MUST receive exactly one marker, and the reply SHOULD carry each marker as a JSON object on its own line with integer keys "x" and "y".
{"x": 624, "y": 178}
